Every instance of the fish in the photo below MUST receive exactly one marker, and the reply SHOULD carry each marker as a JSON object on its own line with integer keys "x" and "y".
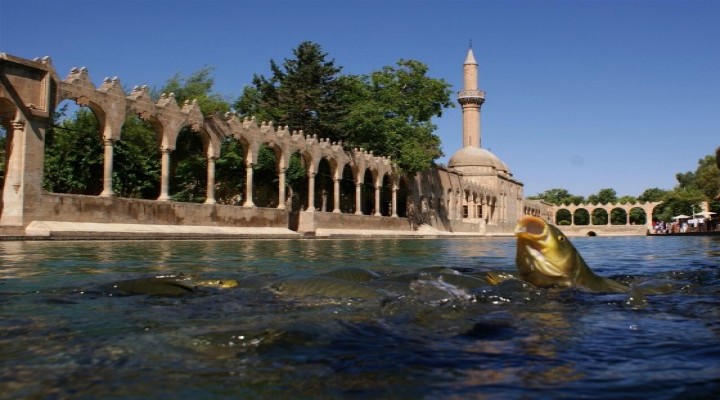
{"x": 546, "y": 258}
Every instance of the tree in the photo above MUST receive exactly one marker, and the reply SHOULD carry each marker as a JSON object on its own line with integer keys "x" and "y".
{"x": 391, "y": 114}
{"x": 388, "y": 111}
{"x": 303, "y": 93}
{"x": 652, "y": 194}
{"x": 558, "y": 197}
{"x": 73, "y": 155}
{"x": 694, "y": 187}
{"x": 197, "y": 86}
{"x": 188, "y": 167}
{"x": 603, "y": 196}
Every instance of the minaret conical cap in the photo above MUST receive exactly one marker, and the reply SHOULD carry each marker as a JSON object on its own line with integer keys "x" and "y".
{"x": 470, "y": 59}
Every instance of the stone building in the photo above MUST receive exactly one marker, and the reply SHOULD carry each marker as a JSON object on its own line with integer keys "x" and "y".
{"x": 475, "y": 194}
{"x": 481, "y": 192}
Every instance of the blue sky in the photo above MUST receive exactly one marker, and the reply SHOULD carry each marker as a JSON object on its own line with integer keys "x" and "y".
{"x": 581, "y": 95}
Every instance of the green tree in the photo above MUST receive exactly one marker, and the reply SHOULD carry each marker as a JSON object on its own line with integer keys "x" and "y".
{"x": 558, "y": 197}
{"x": 603, "y": 196}
{"x": 392, "y": 111}
{"x": 694, "y": 187}
{"x": 188, "y": 167}
{"x": 73, "y": 154}
{"x": 388, "y": 111}
{"x": 303, "y": 93}
{"x": 652, "y": 194}
{"x": 136, "y": 170}
{"x": 198, "y": 86}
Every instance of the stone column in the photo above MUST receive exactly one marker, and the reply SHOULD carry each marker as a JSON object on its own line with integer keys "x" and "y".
{"x": 377, "y": 201}
{"x": 16, "y": 154}
{"x": 311, "y": 192}
{"x": 107, "y": 168}
{"x": 249, "y": 186}
{"x": 393, "y": 204}
{"x": 210, "y": 195}
{"x": 165, "y": 178}
{"x": 460, "y": 199}
{"x": 336, "y": 196}
{"x": 281, "y": 189}
{"x": 358, "y": 199}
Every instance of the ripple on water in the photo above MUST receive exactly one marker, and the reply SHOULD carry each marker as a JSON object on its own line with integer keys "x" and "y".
{"x": 61, "y": 338}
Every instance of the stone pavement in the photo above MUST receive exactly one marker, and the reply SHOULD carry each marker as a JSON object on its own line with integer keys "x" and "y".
{"x": 59, "y": 230}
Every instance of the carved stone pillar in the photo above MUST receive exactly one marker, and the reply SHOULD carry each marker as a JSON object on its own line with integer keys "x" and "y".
{"x": 16, "y": 154}
{"x": 336, "y": 196}
{"x": 281, "y": 189}
{"x": 358, "y": 199}
{"x": 377, "y": 202}
{"x": 107, "y": 168}
{"x": 249, "y": 186}
{"x": 394, "y": 201}
{"x": 311, "y": 192}
{"x": 165, "y": 178}
{"x": 210, "y": 195}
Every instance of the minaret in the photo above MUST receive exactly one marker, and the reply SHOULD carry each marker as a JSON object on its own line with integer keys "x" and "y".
{"x": 471, "y": 99}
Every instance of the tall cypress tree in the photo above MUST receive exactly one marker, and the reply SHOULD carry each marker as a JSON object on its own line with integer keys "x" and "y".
{"x": 302, "y": 93}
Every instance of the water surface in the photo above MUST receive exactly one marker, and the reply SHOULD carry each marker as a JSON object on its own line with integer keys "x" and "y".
{"x": 63, "y": 335}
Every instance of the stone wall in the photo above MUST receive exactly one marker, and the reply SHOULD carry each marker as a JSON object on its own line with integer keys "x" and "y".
{"x": 64, "y": 207}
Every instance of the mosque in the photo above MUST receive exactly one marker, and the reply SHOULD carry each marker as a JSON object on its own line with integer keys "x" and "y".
{"x": 479, "y": 193}
{"x": 474, "y": 194}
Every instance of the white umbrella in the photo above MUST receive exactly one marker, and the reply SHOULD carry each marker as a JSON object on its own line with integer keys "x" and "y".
{"x": 681, "y": 216}
{"x": 705, "y": 214}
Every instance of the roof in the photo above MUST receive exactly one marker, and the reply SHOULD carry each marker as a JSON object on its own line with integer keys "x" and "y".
{"x": 471, "y": 156}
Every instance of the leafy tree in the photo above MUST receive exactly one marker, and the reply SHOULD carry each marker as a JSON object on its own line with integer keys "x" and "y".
{"x": 694, "y": 187}
{"x": 558, "y": 197}
{"x": 392, "y": 111}
{"x": 188, "y": 167}
{"x": 652, "y": 194}
{"x": 388, "y": 111}
{"x": 136, "y": 170}
{"x": 604, "y": 196}
{"x": 302, "y": 93}
{"x": 74, "y": 155}
{"x": 230, "y": 173}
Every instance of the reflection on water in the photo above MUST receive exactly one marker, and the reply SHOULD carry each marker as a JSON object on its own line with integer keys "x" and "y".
{"x": 65, "y": 332}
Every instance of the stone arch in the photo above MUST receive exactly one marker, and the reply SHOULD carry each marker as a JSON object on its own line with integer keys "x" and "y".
{"x": 386, "y": 195}
{"x": 324, "y": 185}
{"x": 73, "y": 150}
{"x": 403, "y": 191}
{"x": 599, "y": 216}
{"x": 297, "y": 181}
{"x": 581, "y": 216}
{"x": 618, "y": 216}
{"x": 563, "y": 216}
{"x": 368, "y": 192}
{"x": 266, "y": 189}
{"x": 347, "y": 190}
{"x": 637, "y": 216}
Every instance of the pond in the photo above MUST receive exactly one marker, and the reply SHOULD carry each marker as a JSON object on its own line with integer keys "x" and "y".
{"x": 65, "y": 333}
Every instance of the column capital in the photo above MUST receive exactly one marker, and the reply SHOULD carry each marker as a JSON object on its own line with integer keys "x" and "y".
{"x": 18, "y": 124}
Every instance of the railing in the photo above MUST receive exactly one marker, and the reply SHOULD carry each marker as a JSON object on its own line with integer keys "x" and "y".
{"x": 463, "y": 94}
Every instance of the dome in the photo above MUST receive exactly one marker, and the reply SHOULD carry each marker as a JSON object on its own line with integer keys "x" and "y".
{"x": 471, "y": 156}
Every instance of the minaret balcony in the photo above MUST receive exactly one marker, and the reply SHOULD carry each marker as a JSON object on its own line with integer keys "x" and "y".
{"x": 471, "y": 96}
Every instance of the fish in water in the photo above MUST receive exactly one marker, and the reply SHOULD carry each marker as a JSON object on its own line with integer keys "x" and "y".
{"x": 545, "y": 257}
{"x": 167, "y": 285}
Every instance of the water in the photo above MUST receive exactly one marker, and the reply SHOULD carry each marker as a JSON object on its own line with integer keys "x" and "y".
{"x": 63, "y": 336}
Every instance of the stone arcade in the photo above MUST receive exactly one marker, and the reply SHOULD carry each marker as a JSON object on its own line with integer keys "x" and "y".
{"x": 476, "y": 194}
